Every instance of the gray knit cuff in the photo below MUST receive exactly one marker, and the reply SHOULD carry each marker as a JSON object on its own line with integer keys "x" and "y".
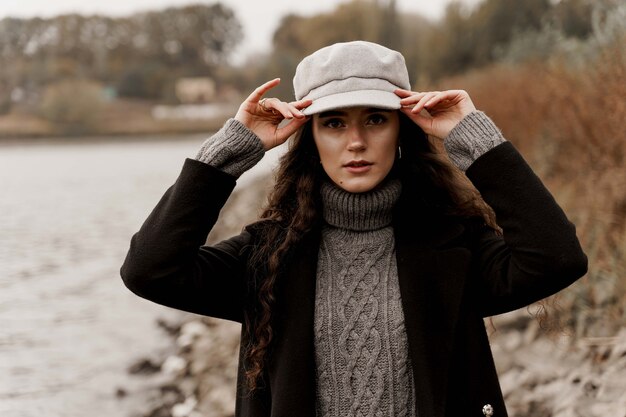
{"x": 233, "y": 149}
{"x": 472, "y": 137}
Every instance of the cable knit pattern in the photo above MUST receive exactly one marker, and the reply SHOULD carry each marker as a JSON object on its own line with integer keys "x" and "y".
{"x": 472, "y": 137}
{"x": 361, "y": 347}
{"x": 233, "y": 149}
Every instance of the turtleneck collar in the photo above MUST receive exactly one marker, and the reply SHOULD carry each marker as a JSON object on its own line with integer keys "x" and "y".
{"x": 360, "y": 211}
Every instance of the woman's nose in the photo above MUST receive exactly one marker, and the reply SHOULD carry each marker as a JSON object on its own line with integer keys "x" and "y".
{"x": 355, "y": 139}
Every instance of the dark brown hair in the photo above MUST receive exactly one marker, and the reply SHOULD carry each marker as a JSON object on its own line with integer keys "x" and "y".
{"x": 293, "y": 209}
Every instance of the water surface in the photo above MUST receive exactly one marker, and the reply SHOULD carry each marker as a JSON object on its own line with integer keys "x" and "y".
{"x": 68, "y": 327}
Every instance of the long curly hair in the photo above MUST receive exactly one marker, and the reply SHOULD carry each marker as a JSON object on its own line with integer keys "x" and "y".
{"x": 293, "y": 209}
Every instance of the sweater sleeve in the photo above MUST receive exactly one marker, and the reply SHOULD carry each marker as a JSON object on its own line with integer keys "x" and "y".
{"x": 233, "y": 149}
{"x": 471, "y": 138}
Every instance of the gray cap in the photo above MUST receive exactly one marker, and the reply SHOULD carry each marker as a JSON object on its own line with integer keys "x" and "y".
{"x": 351, "y": 74}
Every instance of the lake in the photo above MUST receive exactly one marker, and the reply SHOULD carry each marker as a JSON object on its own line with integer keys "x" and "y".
{"x": 69, "y": 329}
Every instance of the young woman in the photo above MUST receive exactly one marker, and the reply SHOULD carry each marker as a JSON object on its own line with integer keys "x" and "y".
{"x": 363, "y": 287}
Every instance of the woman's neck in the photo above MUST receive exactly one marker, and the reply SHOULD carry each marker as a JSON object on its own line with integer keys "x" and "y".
{"x": 371, "y": 210}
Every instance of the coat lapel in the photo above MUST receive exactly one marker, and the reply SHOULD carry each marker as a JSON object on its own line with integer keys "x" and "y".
{"x": 292, "y": 367}
{"x": 431, "y": 279}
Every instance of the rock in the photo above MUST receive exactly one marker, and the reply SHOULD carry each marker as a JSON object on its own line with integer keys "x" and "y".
{"x": 120, "y": 392}
{"x": 185, "y": 341}
{"x": 194, "y": 328}
{"x": 173, "y": 329}
{"x": 590, "y": 388}
{"x": 174, "y": 365}
{"x": 161, "y": 400}
{"x": 144, "y": 366}
{"x": 190, "y": 331}
{"x": 185, "y": 408}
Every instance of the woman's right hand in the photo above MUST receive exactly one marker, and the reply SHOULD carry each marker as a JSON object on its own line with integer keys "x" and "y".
{"x": 263, "y": 118}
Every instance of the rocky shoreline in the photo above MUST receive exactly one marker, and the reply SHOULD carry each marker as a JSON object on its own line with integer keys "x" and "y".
{"x": 541, "y": 376}
{"x": 545, "y": 375}
{"x": 196, "y": 379}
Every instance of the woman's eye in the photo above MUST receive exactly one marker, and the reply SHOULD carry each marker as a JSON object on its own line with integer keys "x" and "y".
{"x": 376, "y": 119}
{"x": 333, "y": 123}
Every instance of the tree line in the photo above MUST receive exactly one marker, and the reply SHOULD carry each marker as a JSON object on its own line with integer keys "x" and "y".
{"x": 143, "y": 54}
{"x": 137, "y": 55}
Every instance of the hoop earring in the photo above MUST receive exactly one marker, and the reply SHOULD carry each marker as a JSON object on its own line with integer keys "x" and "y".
{"x": 399, "y": 152}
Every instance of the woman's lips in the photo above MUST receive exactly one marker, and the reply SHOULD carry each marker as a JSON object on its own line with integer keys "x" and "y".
{"x": 358, "y": 167}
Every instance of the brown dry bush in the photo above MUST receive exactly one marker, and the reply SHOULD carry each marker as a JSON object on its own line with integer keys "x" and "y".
{"x": 566, "y": 116}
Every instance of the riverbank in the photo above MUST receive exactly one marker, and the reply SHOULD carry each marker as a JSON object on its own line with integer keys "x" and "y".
{"x": 119, "y": 118}
{"x": 541, "y": 375}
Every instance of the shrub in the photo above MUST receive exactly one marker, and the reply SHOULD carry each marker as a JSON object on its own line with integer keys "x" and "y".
{"x": 565, "y": 112}
{"x": 73, "y": 105}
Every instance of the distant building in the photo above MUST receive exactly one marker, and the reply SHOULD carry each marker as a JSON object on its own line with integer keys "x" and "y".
{"x": 195, "y": 90}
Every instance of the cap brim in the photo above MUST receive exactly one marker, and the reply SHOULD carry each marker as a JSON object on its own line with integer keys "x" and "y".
{"x": 368, "y": 98}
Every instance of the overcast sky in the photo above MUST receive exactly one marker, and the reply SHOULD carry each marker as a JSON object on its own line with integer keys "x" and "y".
{"x": 258, "y": 17}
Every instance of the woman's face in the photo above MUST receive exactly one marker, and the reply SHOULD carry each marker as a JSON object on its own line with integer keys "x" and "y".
{"x": 357, "y": 145}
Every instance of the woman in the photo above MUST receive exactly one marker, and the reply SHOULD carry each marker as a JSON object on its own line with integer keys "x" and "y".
{"x": 362, "y": 289}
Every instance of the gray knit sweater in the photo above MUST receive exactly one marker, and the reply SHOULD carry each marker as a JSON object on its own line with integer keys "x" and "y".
{"x": 361, "y": 348}
{"x": 234, "y": 149}
{"x": 361, "y": 351}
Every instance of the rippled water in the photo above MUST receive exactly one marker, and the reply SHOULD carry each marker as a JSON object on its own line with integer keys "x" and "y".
{"x": 68, "y": 326}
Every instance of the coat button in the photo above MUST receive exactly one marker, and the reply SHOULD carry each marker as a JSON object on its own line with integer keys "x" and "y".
{"x": 488, "y": 410}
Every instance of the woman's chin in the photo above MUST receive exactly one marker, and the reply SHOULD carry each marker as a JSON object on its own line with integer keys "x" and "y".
{"x": 358, "y": 185}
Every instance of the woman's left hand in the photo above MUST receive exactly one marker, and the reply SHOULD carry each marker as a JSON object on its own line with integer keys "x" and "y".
{"x": 436, "y": 112}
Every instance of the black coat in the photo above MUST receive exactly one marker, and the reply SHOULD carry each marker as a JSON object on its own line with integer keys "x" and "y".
{"x": 452, "y": 273}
